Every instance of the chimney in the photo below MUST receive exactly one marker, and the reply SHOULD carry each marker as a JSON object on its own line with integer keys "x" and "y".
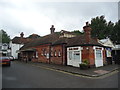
{"x": 87, "y": 31}
{"x": 52, "y": 29}
{"x": 22, "y": 34}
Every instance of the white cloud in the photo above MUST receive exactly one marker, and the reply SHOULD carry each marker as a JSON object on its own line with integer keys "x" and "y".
{"x": 34, "y": 16}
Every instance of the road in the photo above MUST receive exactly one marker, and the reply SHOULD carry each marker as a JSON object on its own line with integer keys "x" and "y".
{"x": 22, "y": 75}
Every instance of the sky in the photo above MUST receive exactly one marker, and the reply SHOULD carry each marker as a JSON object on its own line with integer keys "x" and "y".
{"x": 37, "y": 16}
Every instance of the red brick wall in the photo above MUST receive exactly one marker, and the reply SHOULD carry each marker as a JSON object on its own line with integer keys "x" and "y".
{"x": 40, "y": 49}
{"x": 88, "y": 53}
{"x": 51, "y": 49}
{"x": 91, "y": 56}
{"x": 104, "y": 56}
{"x": 58, "y": 59}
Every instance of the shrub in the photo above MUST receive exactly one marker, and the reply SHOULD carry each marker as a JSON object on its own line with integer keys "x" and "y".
{"x": 84, "y": 64}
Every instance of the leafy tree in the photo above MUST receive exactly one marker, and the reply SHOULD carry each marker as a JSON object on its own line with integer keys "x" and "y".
{"x": 115, "y": 33}
{"x": 102, "y": 29}
{"x": 4, "y": 37}
{"x": 99, "y": 25}
{"x": 109, "y": 29}
{"x": 77, "y": 32}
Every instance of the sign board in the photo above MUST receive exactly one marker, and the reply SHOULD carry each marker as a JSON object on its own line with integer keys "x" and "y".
{"x": 108, "y": 51}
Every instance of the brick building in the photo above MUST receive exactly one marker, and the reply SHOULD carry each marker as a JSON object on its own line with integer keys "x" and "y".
{"x": 17, "y": 42}
{"x": 85, "y": 48}
{"x": 65, "y": 48}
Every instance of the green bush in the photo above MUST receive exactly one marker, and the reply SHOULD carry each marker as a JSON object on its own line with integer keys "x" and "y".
{"x": 85, "y": 62}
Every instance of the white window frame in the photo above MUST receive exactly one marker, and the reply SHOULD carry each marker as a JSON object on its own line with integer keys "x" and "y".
{"x": 36, "y": 54}
{"x": 55, "y": 53}
{"x": 47, "y": 55}
{"x": 72, "y": 61}
{"x": 101, "y": 48}
{"x": 59, "y": 53}
{"x": 100, "y": 52}
{"x": 51, "y": 54}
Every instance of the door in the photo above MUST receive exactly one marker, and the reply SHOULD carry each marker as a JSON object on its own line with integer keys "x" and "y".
{"x": 98, "y": 58}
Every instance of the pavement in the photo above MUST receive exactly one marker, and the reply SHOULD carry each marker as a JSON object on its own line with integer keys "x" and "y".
{"x": 91, "y": 72}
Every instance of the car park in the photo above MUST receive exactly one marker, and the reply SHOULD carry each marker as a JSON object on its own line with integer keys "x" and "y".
{"x": 5, "y": 61}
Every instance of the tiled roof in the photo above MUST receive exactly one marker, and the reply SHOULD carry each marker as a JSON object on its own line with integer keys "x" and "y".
{"x": 54, "y": 39}
{"x": 19, "y": 40}
{"x": 34, "y": 36}
{"x": 23, "y": 40}
{"x": 76, "y": 41}
{"x": 63, "y": 40}
{"x": 80, "y": 40}
{"x": 48, "y": 39}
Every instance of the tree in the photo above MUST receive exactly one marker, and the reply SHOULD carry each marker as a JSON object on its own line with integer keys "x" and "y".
{"x": 4, "y": 37}
{"x": 102, "y": 29}
{"x": 109, "y": 29}
{"x": 115, "y": 33}
{"x": 99, "y": 27}
{"x": 77, "y": 32}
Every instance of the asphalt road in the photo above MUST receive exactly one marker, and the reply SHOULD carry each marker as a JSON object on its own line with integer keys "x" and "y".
{"x": 22, "y": 75}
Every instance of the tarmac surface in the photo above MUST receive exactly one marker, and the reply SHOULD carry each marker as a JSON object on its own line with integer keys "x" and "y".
{"x": 42, "y": 75}
{"x": 90, "y": 72}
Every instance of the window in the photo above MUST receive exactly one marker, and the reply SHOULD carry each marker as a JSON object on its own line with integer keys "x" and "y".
{"x": 51, "y": 53}
{"x": 47, "y": 55}
{"x": 5, "y": 46}
{"x": 108, "y": 52}
{"x": 70, "y": 56}
{"x": 59, "y": 53}
{"x": 36, "y": 54}
{"x": 55, "y": 53}
{"x": 76, "y": 55}
{"x": 98, "y": 54}
{"x": 44, "y": 52}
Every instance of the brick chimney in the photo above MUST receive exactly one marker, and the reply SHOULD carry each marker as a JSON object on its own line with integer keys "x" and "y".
{"x": 22, "y": 34}
{"x": 87, "y": 31}
{"x": 52, "y": 29}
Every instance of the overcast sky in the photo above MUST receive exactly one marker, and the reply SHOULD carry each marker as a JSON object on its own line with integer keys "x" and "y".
{"x": 35, "y": 16}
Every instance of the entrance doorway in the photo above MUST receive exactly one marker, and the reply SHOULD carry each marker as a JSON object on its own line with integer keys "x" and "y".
{"x": 98, "y": 57}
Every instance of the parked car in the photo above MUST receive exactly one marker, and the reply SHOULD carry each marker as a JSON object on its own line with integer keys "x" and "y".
{"x": 5, "y": 61}
{"x": 11, "y": 58}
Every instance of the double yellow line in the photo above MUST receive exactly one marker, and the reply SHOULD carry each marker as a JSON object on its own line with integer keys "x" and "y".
{"x": 78, "y": 75}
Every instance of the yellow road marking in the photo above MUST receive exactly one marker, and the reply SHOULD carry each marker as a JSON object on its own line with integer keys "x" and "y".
{"x": 61, "y": 71}
{"x": 77, "y": 75}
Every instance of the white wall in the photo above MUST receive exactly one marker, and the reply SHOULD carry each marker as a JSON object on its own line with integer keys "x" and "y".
{"x": 14, "y": 49}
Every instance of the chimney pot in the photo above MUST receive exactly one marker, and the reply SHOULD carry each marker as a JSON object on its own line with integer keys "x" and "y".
{"x": 87, "y": 31}
{"x": 22, "y": 34}
{"x": 52, "y": 29}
